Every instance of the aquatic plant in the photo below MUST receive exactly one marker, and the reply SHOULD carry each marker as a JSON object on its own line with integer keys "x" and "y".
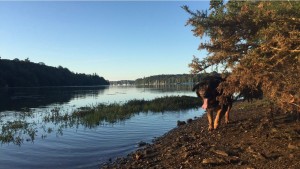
{"x": 111, "y": 113}
{"x": 90, "y": 116}
{"x": 15, "y": 131}
{"x": 94, "y": 115}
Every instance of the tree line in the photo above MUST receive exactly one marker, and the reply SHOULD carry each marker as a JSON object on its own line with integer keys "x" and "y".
{"x": 18, "y": 73}
{"x": 172, "y": 79}
{"x": 169, "y": 79}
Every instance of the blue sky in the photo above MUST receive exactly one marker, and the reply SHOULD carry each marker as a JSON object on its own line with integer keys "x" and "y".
{"x": 117, "y": 40}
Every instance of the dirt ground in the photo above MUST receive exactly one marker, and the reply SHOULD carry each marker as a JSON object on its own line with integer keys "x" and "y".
{"x": 254, "y": 139}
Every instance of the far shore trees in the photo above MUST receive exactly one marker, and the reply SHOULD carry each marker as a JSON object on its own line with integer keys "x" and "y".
{"x": 18, "y": 73}
{"x": 258, "y": 42}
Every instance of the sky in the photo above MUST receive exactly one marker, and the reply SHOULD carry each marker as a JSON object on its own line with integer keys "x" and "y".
{"x": 118, "y": 40}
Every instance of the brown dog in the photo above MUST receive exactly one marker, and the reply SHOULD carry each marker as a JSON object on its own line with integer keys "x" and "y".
{"x": 207, "y": 90}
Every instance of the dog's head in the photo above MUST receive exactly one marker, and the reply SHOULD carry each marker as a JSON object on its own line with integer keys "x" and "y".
{"x": 202, "y": 89}
{"x": 207, "y": 88}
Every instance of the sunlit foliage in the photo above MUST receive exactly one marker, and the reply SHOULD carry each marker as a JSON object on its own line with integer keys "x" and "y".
{"x": 258, "y": 42}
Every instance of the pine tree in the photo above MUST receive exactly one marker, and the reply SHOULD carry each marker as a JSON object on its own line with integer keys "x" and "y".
{"x": 258, "y": 42}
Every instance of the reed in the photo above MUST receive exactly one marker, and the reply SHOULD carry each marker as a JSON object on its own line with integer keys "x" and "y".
{"x": 111, "y": 113}
{"x": 13, "y": 131}
{"x": 91, "y": 116}
{"x": 94, "y": 115}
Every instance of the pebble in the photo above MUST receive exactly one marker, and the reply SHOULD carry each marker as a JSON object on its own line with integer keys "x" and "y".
{"x": 141, "y": 144}
{"x": 293, "y": 147}
{"x": 189, "y": 120}
{"x": 138, "y": 156}
{"x": 180, "y": 123}
{"x": 220, "y": 152}
{"x": 213, "y": 161}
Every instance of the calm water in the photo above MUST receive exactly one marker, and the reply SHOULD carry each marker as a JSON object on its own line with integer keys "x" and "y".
{"x": 60, "y": 145}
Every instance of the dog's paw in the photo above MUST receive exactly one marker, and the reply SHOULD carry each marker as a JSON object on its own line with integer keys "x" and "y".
{"x": 216, "y": 127}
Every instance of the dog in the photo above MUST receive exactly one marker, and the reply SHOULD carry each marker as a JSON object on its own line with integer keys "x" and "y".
{"x": 207, "y": 91}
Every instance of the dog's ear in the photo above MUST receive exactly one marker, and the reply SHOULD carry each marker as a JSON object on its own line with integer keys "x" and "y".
{"x": 196, "y": 87}
{"x": 198, "y": 94}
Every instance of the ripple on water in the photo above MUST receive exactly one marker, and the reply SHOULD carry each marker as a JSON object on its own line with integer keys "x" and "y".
{"x": 86, "y": 148}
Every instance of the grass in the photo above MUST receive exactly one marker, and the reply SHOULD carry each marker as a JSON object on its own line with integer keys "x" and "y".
{"x": 92, "y": 116}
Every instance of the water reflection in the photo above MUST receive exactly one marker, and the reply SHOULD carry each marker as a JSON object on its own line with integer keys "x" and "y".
{"x": 16, "y": 99}
{"x": 42, "y": 111}
{"x": 50, "y": 136}
{"x": 166, "y": 88}
{"x": 20, "y": 122}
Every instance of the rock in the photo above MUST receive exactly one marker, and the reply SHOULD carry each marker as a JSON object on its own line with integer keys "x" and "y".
{"x": 185, "y": 138}
{"x": 240, "y": 163}
{"x": 180, "y": 123}
{"x": 259, "y": 156}
{"x": 186, "y": 155}
{"x": 220, "y": 152}
{"x": 262, "y": 126}
{"x": 234, "y": 159}
{"x": 256, "y": 155}
{"x": 235, "y": 151}
{"x": 250, "y": 150}
{"x": 274, "y": 130}
{"x": 293, "y": 147}
{"x": 141, "y": 144}
{"x": 147, "y": 152}
{"x": 138, "y": 156}
{"x": 202, "y": 144}
{"x": 213, "y": 161}
{"x": 189, "y": 121}
{"x": 273, "y": 156}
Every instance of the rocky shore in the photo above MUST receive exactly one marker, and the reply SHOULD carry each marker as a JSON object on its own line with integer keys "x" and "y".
{"x": 254, "y": 139}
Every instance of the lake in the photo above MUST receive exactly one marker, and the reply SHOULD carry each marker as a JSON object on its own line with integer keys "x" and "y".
{"x": 57, "y": 144}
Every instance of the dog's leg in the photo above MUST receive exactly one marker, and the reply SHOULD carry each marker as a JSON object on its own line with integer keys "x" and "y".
{"x": 227, "y": 114}
{"x": 218, "y": 117}
{"x": 227, "y": 117}
{"x": 210, "y": 119}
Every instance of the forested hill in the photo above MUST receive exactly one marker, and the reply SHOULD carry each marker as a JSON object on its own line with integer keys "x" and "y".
{"x": 17, "y": 73}
{"x": 170, "y": 79}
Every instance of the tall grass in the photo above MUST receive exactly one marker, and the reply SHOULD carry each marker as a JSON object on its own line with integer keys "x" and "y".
{"x": 92, "y": 116}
